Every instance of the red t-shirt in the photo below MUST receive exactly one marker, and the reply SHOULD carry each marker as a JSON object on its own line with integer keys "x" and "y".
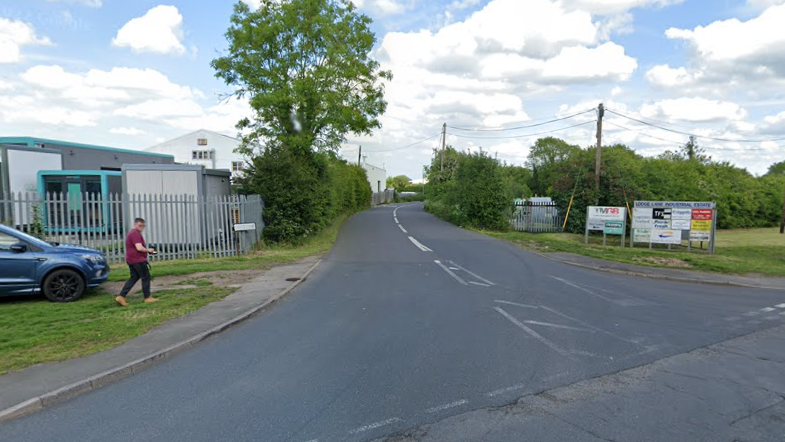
{"x": 133, "y": 256}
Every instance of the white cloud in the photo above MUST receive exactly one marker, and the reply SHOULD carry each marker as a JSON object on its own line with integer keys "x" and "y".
{"x": 131, "y": 131}
{"x": 693, "y": 110}
{"x": 382, "y": 7}
{"x": 253, "y": 4}
{"x": 616, "y": 6}
{"x": 90, "y": 3}
{"x": 764, "y": 3}
{"x": 730, "y": 55}
{"x": 15, "y": 34}
{"x": 158, "y": 31}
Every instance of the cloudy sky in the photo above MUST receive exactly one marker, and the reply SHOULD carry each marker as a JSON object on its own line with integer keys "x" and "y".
{"x": 134, "y": 73}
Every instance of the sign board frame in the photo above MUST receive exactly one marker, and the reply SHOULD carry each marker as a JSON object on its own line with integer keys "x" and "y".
{"x": 598, "y": 217}
{"x": 671, "y": 222}
{"x": 245, "y": 227}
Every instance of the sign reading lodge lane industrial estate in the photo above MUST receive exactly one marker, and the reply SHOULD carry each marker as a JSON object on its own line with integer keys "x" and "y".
{"x": 672, "y": 222}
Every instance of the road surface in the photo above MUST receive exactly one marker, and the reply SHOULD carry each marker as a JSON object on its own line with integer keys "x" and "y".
{"x": 408, "y": 321}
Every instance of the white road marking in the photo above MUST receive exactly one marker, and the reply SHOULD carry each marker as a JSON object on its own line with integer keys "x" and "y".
{"x": 532, "y": 333}
{"x": 375, "y": 425}
{"x": 516, "y": 304}
{"x": 505, "y": 390}
{"x": 313, "y": 440}
{"x": 587, "y": 325}
{"x": 402, "y": 229}
{"x": 767, "y": 309}
{"x": 479, "y": 283}
{"x": 751, "y": 314}
{"x": 419, "y": 245}
{"x": 396, "y": 220}
{"x": 772, "y": 318}
{"x": 473, "y": 274}
{"x": 457, "y": 278}
{"x": 447, "y": 406}
{"x": 732, "y": 318}
{"x": 780, "y": 306}
{"x": 583, "y": 289}
{"x": 566, "y": 327}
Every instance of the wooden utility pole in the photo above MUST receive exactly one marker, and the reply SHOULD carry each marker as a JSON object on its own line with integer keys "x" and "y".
{"x": 444, "y": 144}
{"x": 600, "y": 114}
{"x": 360, "y": 157}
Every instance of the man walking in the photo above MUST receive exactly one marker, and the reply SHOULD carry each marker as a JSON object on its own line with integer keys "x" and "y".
{"x": 136, "y": 256}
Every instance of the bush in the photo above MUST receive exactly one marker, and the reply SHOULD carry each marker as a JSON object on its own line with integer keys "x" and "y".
{"x": 304, "y": 191}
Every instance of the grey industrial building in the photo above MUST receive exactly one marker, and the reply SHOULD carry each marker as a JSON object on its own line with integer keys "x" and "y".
{"x": 77, "y": 156}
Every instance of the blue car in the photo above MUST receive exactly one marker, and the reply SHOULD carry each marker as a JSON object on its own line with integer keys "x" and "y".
{"x": 62, "y": 272}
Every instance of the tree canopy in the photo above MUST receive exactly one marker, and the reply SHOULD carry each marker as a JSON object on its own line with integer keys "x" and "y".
{"x": 306, "y": 70}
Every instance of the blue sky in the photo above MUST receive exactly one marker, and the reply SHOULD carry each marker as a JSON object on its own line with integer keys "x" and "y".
{"x": 134, "y": 73}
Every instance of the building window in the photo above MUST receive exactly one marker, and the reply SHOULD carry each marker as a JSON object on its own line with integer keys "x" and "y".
{"x": 237, "y": 166}
{"x": 202, "y": 141}
{"x": 202, "y": 155}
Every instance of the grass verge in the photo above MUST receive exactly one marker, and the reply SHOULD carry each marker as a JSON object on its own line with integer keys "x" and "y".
{"x": 744, "y": 251}
{"x": 37, "y": 331}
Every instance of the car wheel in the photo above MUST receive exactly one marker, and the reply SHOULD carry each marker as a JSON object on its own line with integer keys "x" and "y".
{"x": 64, "y": 286}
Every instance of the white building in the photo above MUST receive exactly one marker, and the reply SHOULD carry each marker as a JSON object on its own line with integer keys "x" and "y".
{"x": 205, "y": 148}
{"x": 377, "y": 177}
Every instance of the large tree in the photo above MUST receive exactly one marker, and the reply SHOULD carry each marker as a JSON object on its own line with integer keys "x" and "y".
{"x": 306, "y": 69}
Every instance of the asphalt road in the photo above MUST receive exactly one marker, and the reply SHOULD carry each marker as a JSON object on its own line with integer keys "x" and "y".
{"x": 408, "y": 321}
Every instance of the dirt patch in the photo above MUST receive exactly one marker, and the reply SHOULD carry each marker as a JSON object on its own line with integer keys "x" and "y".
{"x": 668, "y": 262}
{"x": 230, "y": 278}
{"x": 529, "y": 245}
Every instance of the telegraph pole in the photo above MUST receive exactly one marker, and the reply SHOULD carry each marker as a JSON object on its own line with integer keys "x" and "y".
{"x": 444, "y": 144}
{"x": 600, "y": 114}
{"x": 360, "y": 157}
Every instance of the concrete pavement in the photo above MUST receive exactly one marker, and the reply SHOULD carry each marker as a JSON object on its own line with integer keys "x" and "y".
{"x": 409, "y": 321}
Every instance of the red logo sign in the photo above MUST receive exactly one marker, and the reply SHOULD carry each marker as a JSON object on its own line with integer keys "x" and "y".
{"x": 702, "y": 214}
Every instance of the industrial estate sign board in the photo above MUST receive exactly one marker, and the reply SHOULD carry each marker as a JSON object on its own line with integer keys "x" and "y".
{"x": 608, "y": 220}
{"x": 671, "y": 222}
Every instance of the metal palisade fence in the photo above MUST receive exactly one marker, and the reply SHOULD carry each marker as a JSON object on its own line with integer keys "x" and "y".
{"x": 178, "y": 226}
{"x": 385, "y": 197}
{"x": 536, "y": 217}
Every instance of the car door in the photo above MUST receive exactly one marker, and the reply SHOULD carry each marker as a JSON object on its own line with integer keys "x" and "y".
{"x": 17, "y": 268}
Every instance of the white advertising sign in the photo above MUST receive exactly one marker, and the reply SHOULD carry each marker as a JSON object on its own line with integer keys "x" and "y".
{"x": 641, "y": 235}
{"x": 661, "y": 224}
{"x": 665, "y": 236}
{"x": 641, "y": 219}
{"x": 681, "y": 224}
{"x": 681, "y": 214}
{"x": 607, "y": 213}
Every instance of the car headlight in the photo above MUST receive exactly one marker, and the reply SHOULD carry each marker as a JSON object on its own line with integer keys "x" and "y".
{"x": 93, "y": 259}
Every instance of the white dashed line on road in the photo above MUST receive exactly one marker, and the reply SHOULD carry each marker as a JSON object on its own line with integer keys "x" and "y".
{"x": 402, "y": 229}
{"x": 517, "y": 304}
{"x": 732, "y": 318}
{"x": 532, "y": 333}
{"x": 767, "y": 309}
{"x": 375, "y": 425}
{"x": 473, "y": 274}
{"x": 447, "y": 406}
{"x": 751, "y": 314}
{"x": 450, "y": 272}
{"x": 566, "y": 327}
{"x": 479, "y": 283}
{"x": 419, "y": 245}
{"x": 780, "y": 306}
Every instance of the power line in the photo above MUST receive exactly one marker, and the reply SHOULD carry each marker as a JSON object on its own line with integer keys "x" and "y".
{"x": 522, "y": 127}
{"x": 524, "y": 135}
{"x": 398, "y": 148}
{"x": 679, "y": 143}
{"x": 694, "y": 135}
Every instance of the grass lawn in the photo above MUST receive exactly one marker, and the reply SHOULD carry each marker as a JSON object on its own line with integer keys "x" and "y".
{"x": 744, "y": 251}
{"x": 36, "y": 331}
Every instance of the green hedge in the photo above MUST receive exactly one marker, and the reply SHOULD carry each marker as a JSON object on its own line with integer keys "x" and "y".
{"x": 305, "y": 191}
